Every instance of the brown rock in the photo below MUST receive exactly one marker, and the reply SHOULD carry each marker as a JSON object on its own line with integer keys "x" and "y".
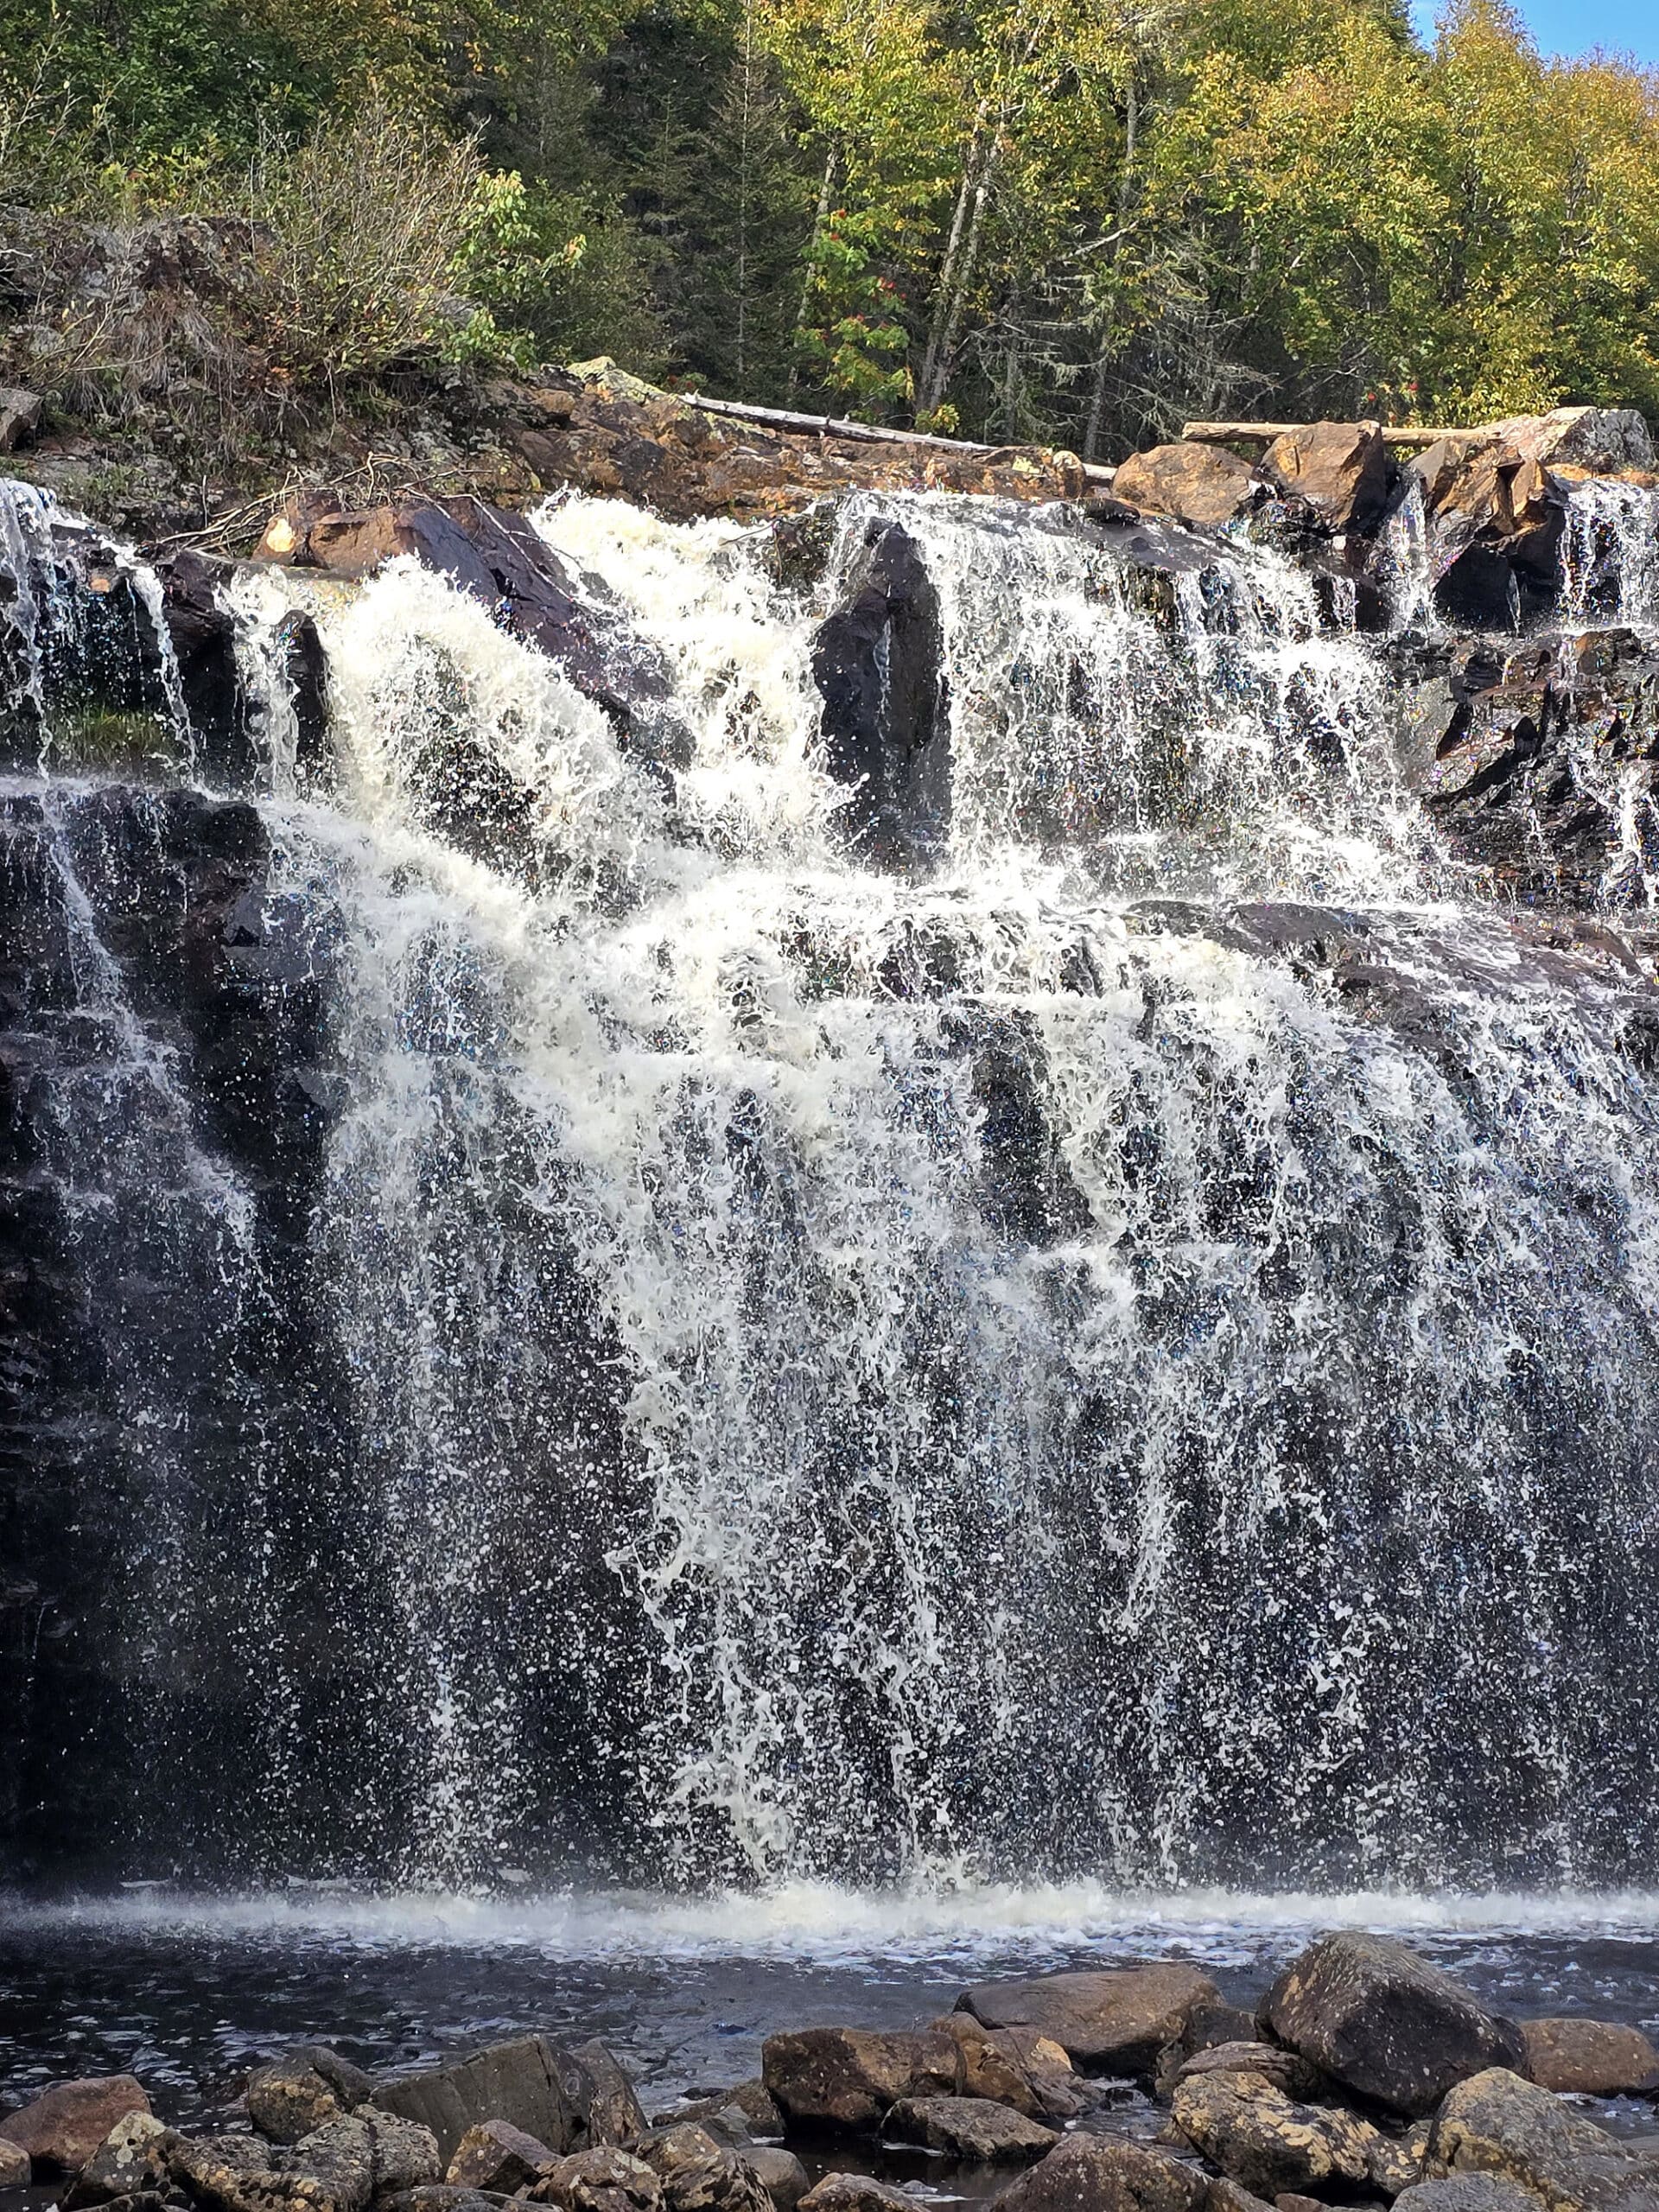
{"x": 968, "y": 2127}
{"x": 1341, "y": 470}
{"x": 1265, "y": 2140}
{"x": 1496, "y": 2123}
{"x": 1285, "y": 2070}
{"x": 1016, "y": 2066}
{"x": 289, "y": 2099}
{"x": 1116, "y": 2021}
{"x": 848, "y": 2078}
{"x": 699, "y": 2174}
{"x": 14, "y": 2169}
{"x": 497, "y": 2155}
{"x": 1383, "y": 2022}
{"x": 751, "y": 2102}
{"x": 855, "y": 2193}
{"x": 1202, "y": 484}
{"x": 530, "y": 2082}
{"x": 215, "y": 2170}
{"x": 1099, "y": 2173}
{"x": 1594, "y": 2058}
{"x": 607, "y": 2103}
{"x": 1600, "y": 439}
{"x": 600, "y": 2180}
{"x": 61, "y": 2128}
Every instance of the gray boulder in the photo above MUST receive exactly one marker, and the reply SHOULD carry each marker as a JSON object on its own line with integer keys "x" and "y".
{"x": 1118, "y": 2021}
{"x": 1384, "y": 2023}
{"x": 968, "y": 2127}
{"x": 847, "y": 2079}
{"x": 603, "y": 2179}
{"x": 1498, "y": 2124}
{"x": 1269, "y": 2143}
{"x": 531, "y": 2082}
{"x": 1100, "y": 2173}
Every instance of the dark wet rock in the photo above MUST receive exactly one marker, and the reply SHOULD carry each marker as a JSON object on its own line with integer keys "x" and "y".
{"x": 701, "y": 2175}
{"x": 751, "y": 2102}
{"x": 216, "y": 2171}
{"x": 846, "y": 2078}
{"x": 1207, "y": 2026}
{"x": 1287, "y": 2069}
{"x": 1017, "y": 2066}
{"x": 603, "y": 2179}
{"x": 1098, "y": 2173}
{"x": 530, "y": 2082}
{"x": 605, "y": 2099}
{"x": 1202, "y": 484}
{"x": 779, "y": 2172}
{"x": 878, "y": 662}
{"x": 126, "y": 2161}
{"x": 1118, "y": 2021}
{"x": 968, "y": 2127}
{"x": 855, "y": 2193}
{"x": 1467, "y": 2193}
{"x": 499, "y": 2158}
{"x": 1594, "y": 2058}
{"x": 1384, "y": 2023}
{"x": 61, "y": 2129}
{"x": 1268, "y": 2142}
{"x": 1340, "y": 471}
{"x": 498, "y": 558}
{"x": 1497, "y": 2123}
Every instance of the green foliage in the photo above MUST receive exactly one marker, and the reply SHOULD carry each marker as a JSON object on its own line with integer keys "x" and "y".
{"x": 1076, "y": 220}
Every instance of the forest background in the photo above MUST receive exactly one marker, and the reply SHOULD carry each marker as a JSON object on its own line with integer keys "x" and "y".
{"x": 1071, "y": 221}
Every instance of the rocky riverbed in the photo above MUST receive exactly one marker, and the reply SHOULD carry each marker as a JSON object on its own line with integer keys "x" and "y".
{"x": 1364, "y": 2076}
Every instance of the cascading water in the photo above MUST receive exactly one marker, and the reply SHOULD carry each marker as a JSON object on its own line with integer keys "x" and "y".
{"x": 1127, "y": 1347}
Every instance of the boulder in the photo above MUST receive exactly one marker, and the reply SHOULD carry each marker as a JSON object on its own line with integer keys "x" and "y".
{"x": 1597, "y": 440}
{"x": 61, "y": 2128}
{"x": 1466, "y": 2193}
{"x": 1383, "y": 2022}
{"x": 847, "y": 2079}
{"x": 606, "y": 2100}
{"x": 878, "y": 663}
{"x": 1016, "y": 2066}
{"x": 20, "y": 416}
{"x": 341, "y": 2164}
{"x": 15, "y": 2168}
{"x": 530, "y": 2082}
{"x": 1497, "y": 2123}
{"x": 1100, "y": 2173}
{"x": 855, "y": 2193}
{"x": 780, "y": 2173}
{"x": 216, "y": 2171}
{"x": 1287, "y": 2070}
{"x": 603, "y": 2179}
{"x": 749, "y": 2102}
{"x": 291, "y": 2097}
{"x": 1265, "y": 2141}
{"x": 126, "y": 2161}
{"x": 701, "y": 2175}
{"x": 495, "y": 2155}
{"x": 439, "y": 2196}
{"x": 1339, "y": 470}
{"x": 1592, "y": 2058}
{"x": 1118, "y": 2021}
{"x": 1201, "y": 485}
{"x": 968, "y": 2127}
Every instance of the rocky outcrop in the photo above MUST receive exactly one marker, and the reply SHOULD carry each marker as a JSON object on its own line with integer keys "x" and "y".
{"x": 1384, "y": 2023}
{"x": 878, "y": 662}
{"x": 1115, "y": 2022}
{"x": 1536, "y": 763}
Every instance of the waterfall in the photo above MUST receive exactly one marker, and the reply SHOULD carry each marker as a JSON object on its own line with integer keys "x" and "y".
{"x": 1128, "y": 1349}
{"x": 1610, "y": 555}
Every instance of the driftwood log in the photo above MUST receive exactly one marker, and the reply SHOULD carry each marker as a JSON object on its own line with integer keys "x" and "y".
{"x": 831, "y": 426}
{"x": 1224, "y": 434}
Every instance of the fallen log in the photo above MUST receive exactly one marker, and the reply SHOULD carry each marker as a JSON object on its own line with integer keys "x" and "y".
{"x": 1224, "y": 434}
{"x": 831, "y": 426}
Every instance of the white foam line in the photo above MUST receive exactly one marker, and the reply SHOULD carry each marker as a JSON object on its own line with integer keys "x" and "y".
{"x": 814, "y": 1922}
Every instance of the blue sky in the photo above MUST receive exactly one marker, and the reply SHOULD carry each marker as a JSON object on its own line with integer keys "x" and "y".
{"x": 1576, "y": 26}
